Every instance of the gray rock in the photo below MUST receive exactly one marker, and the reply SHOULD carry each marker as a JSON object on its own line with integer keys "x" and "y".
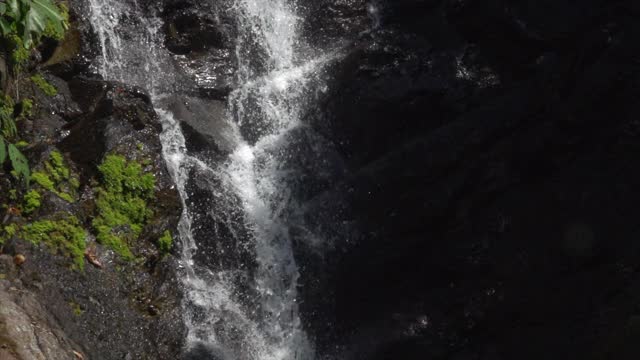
{"x": 27, "y": 330}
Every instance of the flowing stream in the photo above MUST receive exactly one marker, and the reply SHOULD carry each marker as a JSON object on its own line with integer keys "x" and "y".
{"x": 244, "y": 310}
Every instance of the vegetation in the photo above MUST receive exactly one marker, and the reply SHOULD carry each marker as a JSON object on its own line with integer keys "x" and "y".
{"x": 23, "y": 24}
{"x": 76, "y": 308}
{"x": 57, "y": 178}
{"x": 8, "y": 232}
{"x": 165, "y": 243}
{"x": 29, "y": 20}
{"x": 65, "y": 236}
{"x": 8, "y": 134}
{"x": 26, "y": 108}
{"x": 122, "y": 203}
{"x": 32, "y": 202}
{"x": 44, "y": 85}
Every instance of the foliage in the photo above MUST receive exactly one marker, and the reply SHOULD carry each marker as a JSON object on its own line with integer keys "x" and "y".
{"x": 32, "y": 202}
{"x": 19, "y": 54}
{"x": 65, "y": 236}
{"x": 8, "y": 132}
{"x": 44, "y": 85}
{"x": 9, "y": 232}
{"x": 57, "y": 178}
{"x": 122, "y": 203}
{"x": 31, "y": 19}
{"x": 165, "y": 243}
{"x": 8, "y": 128}
{"x": 43, "y": 180}
{"x": 23, "y": 23}
{"x": 26, "y": 108}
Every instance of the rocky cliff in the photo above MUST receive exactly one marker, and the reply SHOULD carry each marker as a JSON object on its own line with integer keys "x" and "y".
{"x": 84, "y": 271}
{"x": 474, "y": 182}
{"x": 492, "y": 153}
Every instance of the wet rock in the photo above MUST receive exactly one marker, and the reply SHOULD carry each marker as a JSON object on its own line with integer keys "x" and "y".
{"x": 481, "y": 141}
{"x": 95, "y": 308}
{"x": 199, "y": 36}
{"x": 204, "y": 123}
{"x": 89, "y": 312}
{"x": 327, "y": 23}
{"x": 50, "y": 113}
{"x": 27, "y": 330}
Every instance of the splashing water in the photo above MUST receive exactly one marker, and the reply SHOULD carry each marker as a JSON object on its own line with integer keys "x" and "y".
{"x": 258, "y": 319}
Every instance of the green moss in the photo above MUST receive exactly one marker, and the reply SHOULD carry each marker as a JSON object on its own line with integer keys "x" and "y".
{"x": 64, "y": 236}
{"x": 19, "y": 54}
{"x": 32, "y": 202}
{"x": 9, "y": 232}
{"x": 165, "y": 243}
{"x": 43, "y": 180}
{"x": 122, "y": 203}
{"x": 21, "y": 144}
{"x": 57, "y": 177}
{"x": 26, "y": 108}
{"x": 75, "y": 307}
{"x": 75, "y": 183}
{"x": 66, "y": 197}
{"x": 44, "y": 85}
{"x": 50, "y": 31}
{"x": 56, "y": 167}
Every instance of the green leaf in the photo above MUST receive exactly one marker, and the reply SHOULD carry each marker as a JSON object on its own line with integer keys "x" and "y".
{"x": 47, "y": 9}
{"x": 14, "y": 9}
{"x": 39, "y": 14}
{"x": 34, "y": 22}
{"x": 19, "y": 163}
{"x": 3, "y": 8}
{"x": 3, "y": 151}
{"x": 5, "y": 26}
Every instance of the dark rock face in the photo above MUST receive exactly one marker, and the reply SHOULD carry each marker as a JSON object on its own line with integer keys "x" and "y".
{"x": 479, "y": 196}
{"x": 110, "y": 313}
{"x": 200, "y": 38}
{"x": 122, "y": 309}
{"x": 28, "y": 330}
{"x": 492, "y": 149}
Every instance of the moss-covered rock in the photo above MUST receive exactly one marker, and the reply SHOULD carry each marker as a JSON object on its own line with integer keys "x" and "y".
{"x": 44, "y": 85}
{"x": 122, "y": 203}
{"x": 67, "y": 136}
{"x": 32, "y": 202}
{"x": 63, "y": 234}
{"x": 54, "y": 175}
{"x": 165, "y": 242}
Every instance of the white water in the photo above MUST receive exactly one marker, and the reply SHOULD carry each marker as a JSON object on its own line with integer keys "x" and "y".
{"x": 275, "y": 84}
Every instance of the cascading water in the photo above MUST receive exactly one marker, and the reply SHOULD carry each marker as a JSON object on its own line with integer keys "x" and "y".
{"x": 246, "y": 312}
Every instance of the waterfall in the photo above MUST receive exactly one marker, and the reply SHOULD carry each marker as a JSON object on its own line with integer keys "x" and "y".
{"x": 249, "y": 312}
